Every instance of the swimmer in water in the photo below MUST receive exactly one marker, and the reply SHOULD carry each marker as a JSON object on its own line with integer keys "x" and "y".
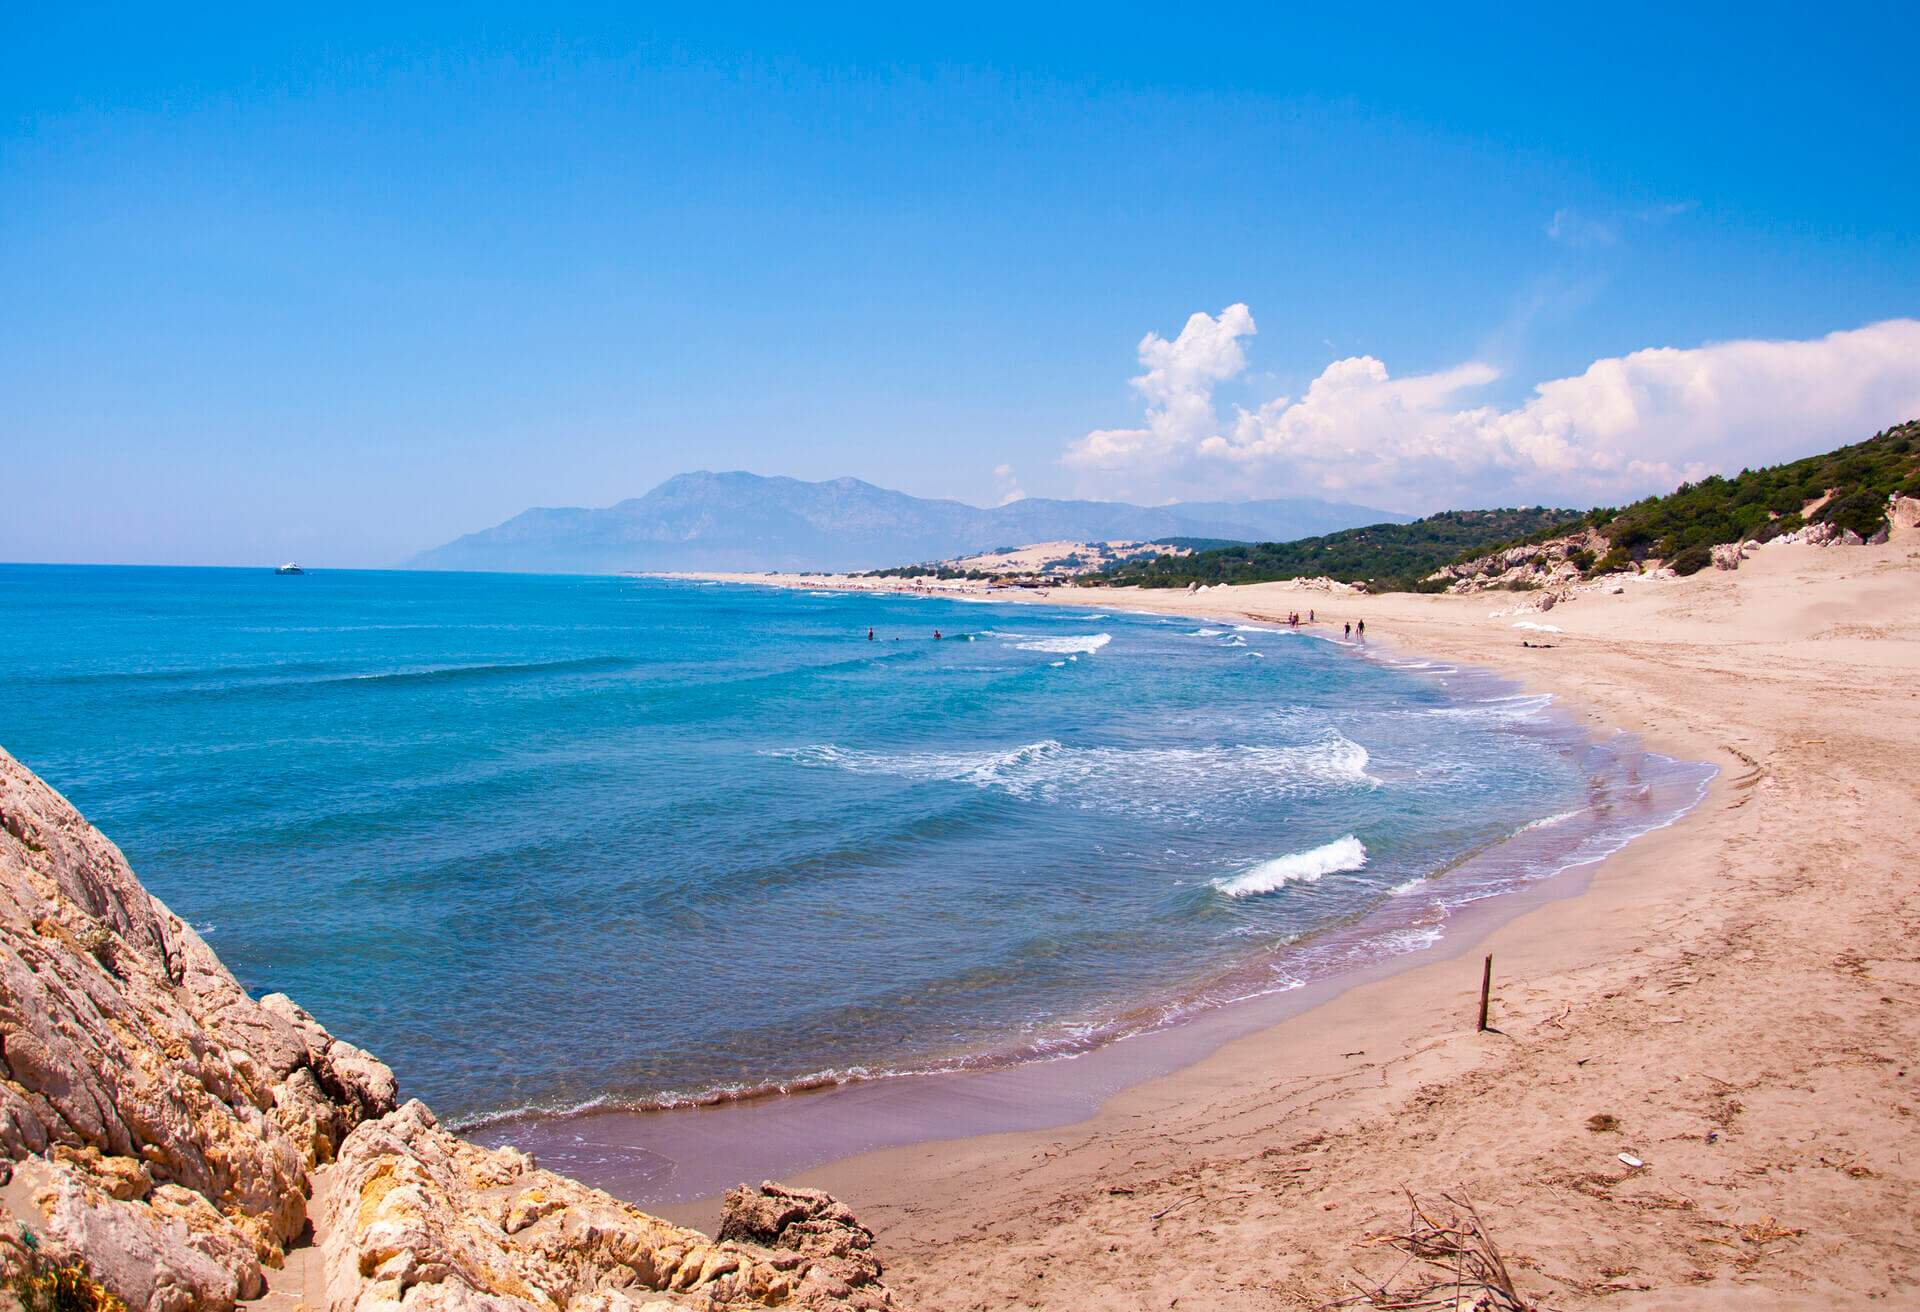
{"x": 936, "y": 635}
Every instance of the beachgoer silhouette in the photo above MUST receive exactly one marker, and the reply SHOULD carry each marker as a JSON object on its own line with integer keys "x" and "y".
{"x": 1310, "y": 619}
{"x": 1349, "y": 630}
{"x": 1362, "y": 630}
{"x": 869, "y": 635}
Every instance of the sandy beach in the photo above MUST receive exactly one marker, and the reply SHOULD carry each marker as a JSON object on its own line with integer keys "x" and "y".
{"x": 1731, "y": 1002}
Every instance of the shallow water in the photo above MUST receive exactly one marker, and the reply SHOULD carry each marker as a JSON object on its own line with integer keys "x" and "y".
{"x": 549, "y": 842}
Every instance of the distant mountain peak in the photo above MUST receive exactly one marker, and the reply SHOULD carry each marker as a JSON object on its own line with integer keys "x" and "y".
{"x": 734, "y": 519}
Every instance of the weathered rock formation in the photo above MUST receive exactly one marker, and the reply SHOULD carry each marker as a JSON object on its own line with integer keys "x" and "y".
{"x": 1550, "y": 564}
{"x": 418, "y": 1219}
{"x": 167, "y": 1131}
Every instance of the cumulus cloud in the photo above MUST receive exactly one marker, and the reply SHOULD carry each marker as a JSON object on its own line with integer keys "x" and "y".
{"x": 1178, "y": 386}
{"x": 1627, "y": 426}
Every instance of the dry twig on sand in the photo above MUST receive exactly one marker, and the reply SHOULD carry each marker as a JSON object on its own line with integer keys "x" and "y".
{"x": 1451, "y": 1263}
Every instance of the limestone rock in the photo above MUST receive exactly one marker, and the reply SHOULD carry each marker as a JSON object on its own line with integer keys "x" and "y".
{"x": 148, "y": 1258}
{"x": 1903, "y": 515}
{"x": 134, "y": 1059}
{"x": 419, "y": 1219}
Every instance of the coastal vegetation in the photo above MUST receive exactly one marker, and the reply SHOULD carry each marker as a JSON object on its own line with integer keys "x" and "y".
{"x": 1385, "y": 557}
{"x": 1848, "y": 488}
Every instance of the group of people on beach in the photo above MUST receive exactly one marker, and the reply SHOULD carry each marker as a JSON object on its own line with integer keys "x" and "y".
{"x": 1348, "y": 631}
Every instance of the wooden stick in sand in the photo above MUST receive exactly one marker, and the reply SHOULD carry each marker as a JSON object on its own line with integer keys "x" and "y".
{"x": 1486, "y": 991}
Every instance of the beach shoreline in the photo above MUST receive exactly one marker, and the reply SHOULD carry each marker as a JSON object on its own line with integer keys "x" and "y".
{"x": 677, "y": 1158}
{"x": 1690, "y": 993}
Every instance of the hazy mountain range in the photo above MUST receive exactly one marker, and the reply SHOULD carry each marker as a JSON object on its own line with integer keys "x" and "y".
{"x": 740, "y": 521}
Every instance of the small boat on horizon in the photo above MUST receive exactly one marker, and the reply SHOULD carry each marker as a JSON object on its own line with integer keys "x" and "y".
{"x": 289, "y": 568}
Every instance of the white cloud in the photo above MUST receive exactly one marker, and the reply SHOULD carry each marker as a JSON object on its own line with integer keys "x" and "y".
{"x": 1178, "y": 385}
{"x": 1006, "y": 485}
{"x": 1625, "y": 427}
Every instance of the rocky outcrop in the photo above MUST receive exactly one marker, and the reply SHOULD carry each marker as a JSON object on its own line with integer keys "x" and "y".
{"x": 169, "y": 1114}
{"x": 419, "y": 1219}
{"x": 166, "y": 1130}
{"x": 1550, "y": 564}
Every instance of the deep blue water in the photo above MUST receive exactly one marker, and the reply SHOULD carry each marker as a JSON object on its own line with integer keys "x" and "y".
{"x": 539, "y": 841}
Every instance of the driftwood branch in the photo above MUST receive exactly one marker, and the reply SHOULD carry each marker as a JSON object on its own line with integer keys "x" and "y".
{"x": 1451, "y": 1262}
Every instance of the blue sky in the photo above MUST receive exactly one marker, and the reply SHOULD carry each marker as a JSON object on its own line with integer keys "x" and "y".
{"x": 346, "y": 289}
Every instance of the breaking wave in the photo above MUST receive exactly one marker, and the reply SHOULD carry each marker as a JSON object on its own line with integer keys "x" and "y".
{"x": 1341, "y": 855}
{"x": 1141, "y": 778}
{"x": 1084, "y": 645}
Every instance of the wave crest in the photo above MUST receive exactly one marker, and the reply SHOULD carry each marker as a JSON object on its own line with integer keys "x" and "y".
{"x": 1083, "y": 644}
{"x": 1342, "y": 854}
{"x": 1167, "y": 780}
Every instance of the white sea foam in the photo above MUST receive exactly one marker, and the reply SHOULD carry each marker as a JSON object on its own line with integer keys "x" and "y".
{"x": 1410, "y": 886}
{"x": 1189, "y": 782}
{"x": 1085, "y": 644}
{"x": 1548, "y": 822}
{"x": 1341, "y": 854}
{"x": 1206, "y": 633}
{"x": 1519, "y": 706}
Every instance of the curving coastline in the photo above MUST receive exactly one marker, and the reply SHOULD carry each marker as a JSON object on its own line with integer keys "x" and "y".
{"x": 1630, "y": 793}
{"x": 1728, "y": 1001}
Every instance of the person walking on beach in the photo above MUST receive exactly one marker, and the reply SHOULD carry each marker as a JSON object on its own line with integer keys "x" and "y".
{"x": 1348, "y": 633}
{"x": 1310, "y": 618}
{"x": 1362, "y": 631}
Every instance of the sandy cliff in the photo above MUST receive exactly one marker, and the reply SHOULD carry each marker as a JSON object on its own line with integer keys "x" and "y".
{"x": 168, "y": 1134}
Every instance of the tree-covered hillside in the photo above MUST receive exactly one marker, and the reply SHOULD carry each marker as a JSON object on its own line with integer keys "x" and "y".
{"x": 1684, "y": 526}
{"x": 1386, "y": 557}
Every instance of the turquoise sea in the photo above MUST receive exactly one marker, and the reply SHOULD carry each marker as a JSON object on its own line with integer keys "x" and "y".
{"x": 558, "y": 842}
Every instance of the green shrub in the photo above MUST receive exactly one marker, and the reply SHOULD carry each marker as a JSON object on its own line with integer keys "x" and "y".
{"x": 1691, "y": 560}
{"x": 1862, "y": 511}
